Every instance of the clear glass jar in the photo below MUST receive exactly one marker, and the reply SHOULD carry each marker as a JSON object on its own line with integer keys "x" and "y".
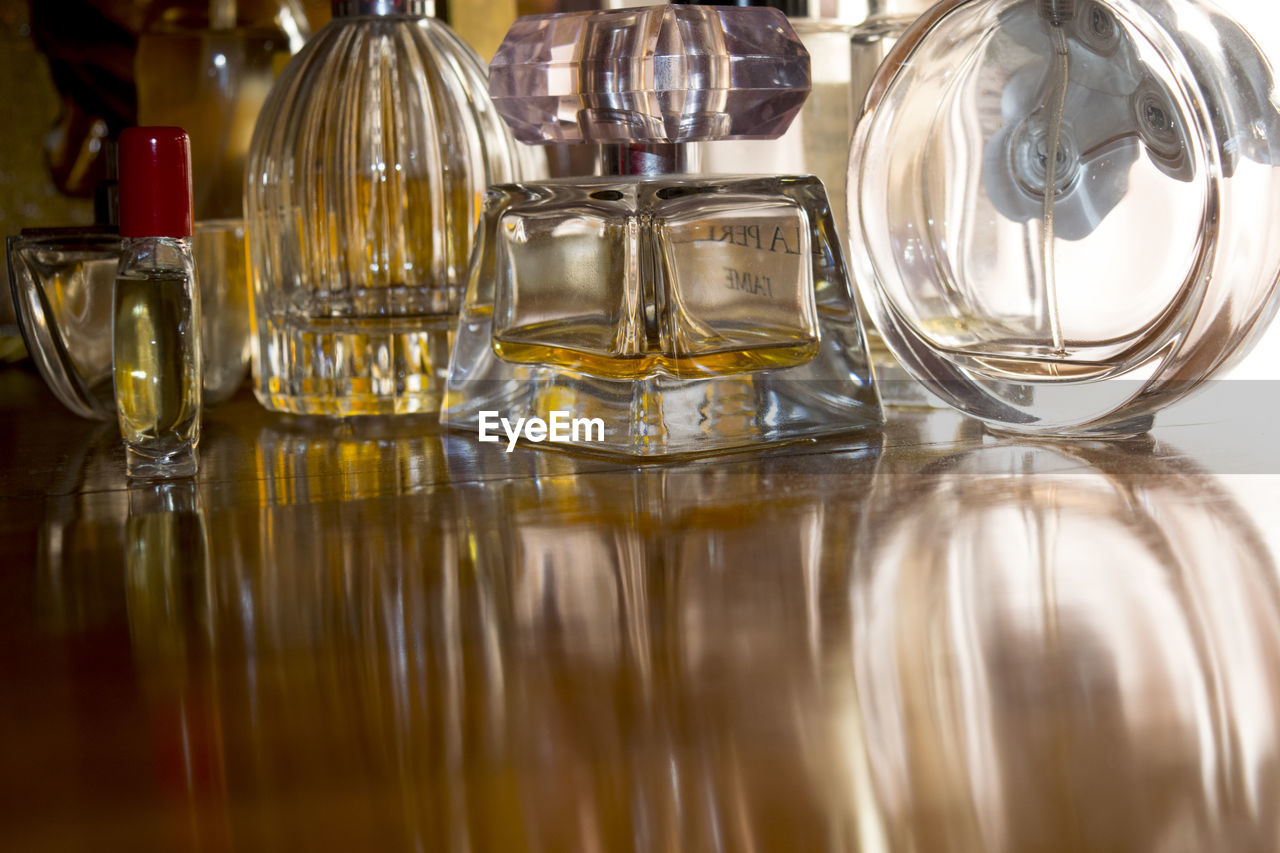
{"x": 1149, "y": 265}
{"x": 366, "y": 174}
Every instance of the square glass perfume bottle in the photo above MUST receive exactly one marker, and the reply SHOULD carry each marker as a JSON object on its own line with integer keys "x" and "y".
{"x": 690, "y": 314}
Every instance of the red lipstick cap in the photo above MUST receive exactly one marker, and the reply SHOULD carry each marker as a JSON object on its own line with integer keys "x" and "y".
{"x": 155, "y": 182}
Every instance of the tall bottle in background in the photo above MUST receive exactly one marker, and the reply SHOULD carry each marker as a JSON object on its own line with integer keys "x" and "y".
{"x": 885, "y": 23}
{"x": 210, "y": 73}
{"x": 366, "y": 177}
{"x": 817, "y": 142}
{"x": 872, "y": 40}
{"x": 846, "y": 40}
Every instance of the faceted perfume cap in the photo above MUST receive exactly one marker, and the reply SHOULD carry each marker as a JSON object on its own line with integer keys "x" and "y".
{"x": 658, "y": 74}
{"x": 842, "y": 11}
{"x": 155, "y": 182}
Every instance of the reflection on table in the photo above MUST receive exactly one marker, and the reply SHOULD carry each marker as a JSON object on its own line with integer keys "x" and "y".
{"x": 384, "y": 638}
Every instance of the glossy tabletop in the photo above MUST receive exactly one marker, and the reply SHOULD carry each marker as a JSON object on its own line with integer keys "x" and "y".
{"x": 375, "y": 636}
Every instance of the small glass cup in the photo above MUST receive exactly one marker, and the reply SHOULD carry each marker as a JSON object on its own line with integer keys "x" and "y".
{"x": 61, "y": 279}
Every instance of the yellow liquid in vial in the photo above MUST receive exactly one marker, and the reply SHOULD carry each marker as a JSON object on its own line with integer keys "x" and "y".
{"x": 157, "y": 362}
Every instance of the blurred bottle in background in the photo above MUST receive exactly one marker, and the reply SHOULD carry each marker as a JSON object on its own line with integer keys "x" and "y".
{"x": 209, "y": 70}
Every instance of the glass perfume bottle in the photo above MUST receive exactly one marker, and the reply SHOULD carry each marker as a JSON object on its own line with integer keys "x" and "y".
{"x": 687, "y": 314}
{"x": 155, "y": 339}
{"x": 365, "y": 177}
{"x": 846, "y": 40}
{"x": 1064, "y": 210}
{"x": 209, "y": 70}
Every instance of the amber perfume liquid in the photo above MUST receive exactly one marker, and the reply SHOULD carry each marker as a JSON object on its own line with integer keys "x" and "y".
{"x": 373, "y": 336}
{"x": 157, "y": 371}
{"x": 686, "y": 280}
{"x": 367, "y": 171}
{"x": 690, "y": 314}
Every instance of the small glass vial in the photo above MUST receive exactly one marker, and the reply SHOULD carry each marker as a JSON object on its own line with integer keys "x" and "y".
{"x": 155, "y": 337}
{"x": 684, "y": 314}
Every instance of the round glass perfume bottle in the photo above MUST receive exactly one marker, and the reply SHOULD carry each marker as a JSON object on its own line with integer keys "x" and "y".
{"x": 669, "y": 313}
{"x": 1063, "y": 211}
{"x": 366, "y": 173}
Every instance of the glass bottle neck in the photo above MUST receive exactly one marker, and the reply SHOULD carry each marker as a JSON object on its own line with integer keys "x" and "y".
{"x": 144, "y": 254}
{"x": 647, "y": 159}
{"x": 383, "y": 8}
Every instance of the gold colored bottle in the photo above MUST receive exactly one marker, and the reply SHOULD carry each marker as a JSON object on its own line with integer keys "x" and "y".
{"x": 156, "y": 361}
{"x": 366, "y": 177}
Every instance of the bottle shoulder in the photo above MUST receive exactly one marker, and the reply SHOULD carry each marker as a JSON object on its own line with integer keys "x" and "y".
{"x": 147, "y": 257}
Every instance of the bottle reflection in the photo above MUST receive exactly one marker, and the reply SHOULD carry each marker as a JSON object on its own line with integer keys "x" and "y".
{"x": 665, "y": 665}
{"x": 618, "y": 660}
{"x": 79, "y": 556}
{"x": 1065, "y": 648}
{"x": 167, "y": 578}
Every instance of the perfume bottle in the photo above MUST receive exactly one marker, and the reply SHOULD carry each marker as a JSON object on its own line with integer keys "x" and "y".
{"x": 155, "y": 339}
{"x": 1063, "y": 210}
{"x": 209, "y": 70}
{"x": 365, "y": 175}
{"x": 846, "y": 40}
{"x": 682, "y": 313}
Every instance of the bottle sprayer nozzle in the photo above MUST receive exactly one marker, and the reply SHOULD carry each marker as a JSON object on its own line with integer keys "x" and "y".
{"x": 1058, "y": 12}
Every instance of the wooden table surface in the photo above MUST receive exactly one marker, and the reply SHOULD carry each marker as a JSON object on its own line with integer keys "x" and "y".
{"x": 380, "y": 637}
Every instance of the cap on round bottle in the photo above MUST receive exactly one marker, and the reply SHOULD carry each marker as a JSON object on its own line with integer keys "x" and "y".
{"x": 155, "y": 182}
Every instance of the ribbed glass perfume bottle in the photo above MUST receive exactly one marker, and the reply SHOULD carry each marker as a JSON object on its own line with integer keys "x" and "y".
{"x": 365, "y": 181}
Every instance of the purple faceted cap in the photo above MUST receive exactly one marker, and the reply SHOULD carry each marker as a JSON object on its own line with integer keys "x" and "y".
{"x": 653, "y": 74}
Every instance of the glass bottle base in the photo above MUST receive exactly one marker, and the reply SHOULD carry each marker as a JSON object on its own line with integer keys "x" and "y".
{"x": 1130, "y": 428}
{"x": 659, "y": 417}
{"x": 141, "y": 465}
{"x": 898, "y": 388}
{"x": 380, "y": 366}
